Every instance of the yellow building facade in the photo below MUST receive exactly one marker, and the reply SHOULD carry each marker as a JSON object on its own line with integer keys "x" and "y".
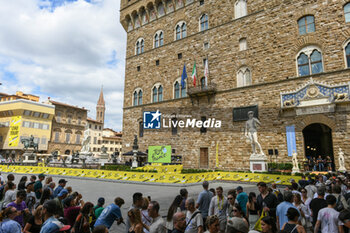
{"x": 19, "y": 119}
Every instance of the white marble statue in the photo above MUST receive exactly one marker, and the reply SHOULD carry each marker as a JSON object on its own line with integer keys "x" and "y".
{"x": 251, "y": 132}
{"x": 295, "y": 161}
{"x": 86, "y": 141}
{"x": 341, "y": 160}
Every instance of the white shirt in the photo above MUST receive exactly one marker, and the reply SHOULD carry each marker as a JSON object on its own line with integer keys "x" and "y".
{"x": 158, "y": 225}
{"x": 218, "y": 208}
{"x": 196, "y": 221}
{"x": 329, "y": 220}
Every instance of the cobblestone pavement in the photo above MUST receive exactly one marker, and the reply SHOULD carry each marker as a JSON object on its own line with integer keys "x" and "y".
{"x": 92, "y": 189}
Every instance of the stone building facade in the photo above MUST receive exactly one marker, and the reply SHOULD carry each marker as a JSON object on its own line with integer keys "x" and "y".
{"x": 96, "y": 130}
{"x": 288, "y": 61}
{"x": 112, "y": 140}
{"x": 68, "y": 127}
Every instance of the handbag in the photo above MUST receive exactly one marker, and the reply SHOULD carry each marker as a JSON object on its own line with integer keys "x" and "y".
{"x": 257, "y": 226}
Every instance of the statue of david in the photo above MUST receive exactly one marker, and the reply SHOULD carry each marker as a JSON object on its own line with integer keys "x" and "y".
{"x": 251, "y": 132}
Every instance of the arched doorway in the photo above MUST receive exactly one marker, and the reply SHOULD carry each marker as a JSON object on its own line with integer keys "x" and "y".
{"x": 318, "y": 141}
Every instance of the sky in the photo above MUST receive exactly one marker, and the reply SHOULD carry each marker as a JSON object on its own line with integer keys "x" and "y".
{"x": 66, "y": 50}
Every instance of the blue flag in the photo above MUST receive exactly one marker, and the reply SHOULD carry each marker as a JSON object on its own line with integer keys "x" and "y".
{"x": 183, "y": 76}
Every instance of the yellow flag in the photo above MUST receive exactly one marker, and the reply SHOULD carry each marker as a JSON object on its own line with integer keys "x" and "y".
{"x": 15, "y": 125}
{"x": 217, "y": 155}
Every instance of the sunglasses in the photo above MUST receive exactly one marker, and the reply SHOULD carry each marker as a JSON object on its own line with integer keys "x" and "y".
{"x": 229, "y": 198}
{"x": 235, "y": 210}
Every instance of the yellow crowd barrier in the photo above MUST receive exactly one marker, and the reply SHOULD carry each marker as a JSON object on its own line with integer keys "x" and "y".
{"x": 165, "y": 174}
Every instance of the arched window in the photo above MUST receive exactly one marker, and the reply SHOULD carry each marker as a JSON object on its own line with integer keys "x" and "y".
{"x": 139, "y": 48}
{"x": 135, "y": 98}
{"x": 347, "y": 54}
{"x": 140, "y": 97}
{"x": 347, "y": 12}
{"x": 158, "y": 39}
{"x": 176, "y": 90}
{"x": 180, "y": 30}
{"x": 154, "y": 94}
{"x": 183, "y": 90}
{"x": 204, "y": 22}
{"x": 306, "y": 24}
{"x": 240, "y": 8}
{"x": 309, "y": 61}
{"x": 160, "y": 93}
{"x": 244, "y": 77}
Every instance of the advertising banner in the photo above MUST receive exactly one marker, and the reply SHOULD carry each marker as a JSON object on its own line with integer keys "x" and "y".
{"x": 15, "y": 125}
{"x": 159, "y": 154}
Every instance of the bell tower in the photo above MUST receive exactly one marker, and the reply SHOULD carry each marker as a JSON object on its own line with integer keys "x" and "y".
{"x": 100, "y": 108}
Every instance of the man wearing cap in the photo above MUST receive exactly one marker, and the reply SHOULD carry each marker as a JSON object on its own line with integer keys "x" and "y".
{"x": 59, "y": 201}
{"x": 38, "y": 186}
{"x": 203, "y": 201}
{"x": 242, "y": 199}
{"x": 99, "y": 207}
{"x": 61, "y": 185}
{"x": 51, "y": 224}
{"x": 31, "y": 199}
{"x": 236, "y": 225}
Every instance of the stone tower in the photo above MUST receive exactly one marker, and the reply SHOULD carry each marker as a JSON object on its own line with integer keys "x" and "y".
{"x": 100, "y": 108}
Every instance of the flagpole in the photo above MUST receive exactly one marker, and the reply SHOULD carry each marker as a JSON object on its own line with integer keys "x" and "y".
{"x": 208, "y": 69}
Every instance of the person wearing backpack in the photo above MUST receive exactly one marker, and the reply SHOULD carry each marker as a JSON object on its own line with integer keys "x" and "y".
{"x": 194, "y": 220}
{"x": 341, "y": 201}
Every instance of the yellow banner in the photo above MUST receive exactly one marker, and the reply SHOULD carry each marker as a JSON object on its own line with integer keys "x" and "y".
{"x": 15, "y": 125}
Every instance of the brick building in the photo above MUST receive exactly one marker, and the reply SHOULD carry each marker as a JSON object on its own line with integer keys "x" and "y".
{"x": 285, "y": 60}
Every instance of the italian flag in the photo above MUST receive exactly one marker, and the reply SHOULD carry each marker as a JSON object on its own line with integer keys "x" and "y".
{"x": 194, "y": 73}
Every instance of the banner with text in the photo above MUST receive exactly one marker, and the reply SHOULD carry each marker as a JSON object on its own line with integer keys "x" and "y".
{"x": 15, "y": 125}
{"x": 159, "y": 154}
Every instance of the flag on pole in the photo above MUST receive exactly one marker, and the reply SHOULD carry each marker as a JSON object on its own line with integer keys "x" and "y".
{"x": 217, "y": 155}
{"x": 194, "y": 74}
{"x": 206, "y": 72}
{"x": 183, "y": 76}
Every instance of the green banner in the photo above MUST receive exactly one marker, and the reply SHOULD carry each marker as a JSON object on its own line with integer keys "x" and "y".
{"x": 159, "y": 154}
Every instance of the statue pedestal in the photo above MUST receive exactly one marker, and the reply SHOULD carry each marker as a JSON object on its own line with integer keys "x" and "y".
{"x": 258, "y": 163}
{"x": 103, "y": 158}
{"x": 295, "y": 170}
{"x": 29, "y": 157}
{"x": 342, "y": 169}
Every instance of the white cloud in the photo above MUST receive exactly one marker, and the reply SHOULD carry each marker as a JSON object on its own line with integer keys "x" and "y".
{"x": 68, "y": 53}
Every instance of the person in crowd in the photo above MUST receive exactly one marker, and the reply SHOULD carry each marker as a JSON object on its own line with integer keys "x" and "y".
{"x": 212, "y": 190}
{"x": 184, "y": 195}
{"x": 194, "y": 219}
{"x": 10, "y": 179}
{"x": 304, "y": 198}
{"x": 20, "y": 206}
{"x": 48, "y": 180}
{"x": 320, "y": 164}
{"x": 282, "y": 208}
{"x": 303, "y": 182}
{"x": 295, "y": 188}
{"x": 10, "y": 194}
{"x": 44, "y": 197}
{"x": 317, "y": 204}
{"x": 100, "y": 229}
{"x": 146, "y": 219}
{"x": 111, "y": 213}
{"x": 341, "y": 201}
{"x": 236, "y": 225}
{"x": 311, "y": 189}
{"x": 59, "y": 202}
{"x": 292, "y": 226}
{"x": 266, "y": 201}
{"x": 212, "y": 224}
{"x": 82, "y": 224}
{"x": 8, "y": 225}
{"x": 99, "y": 207}
{"x": 327, "y": 218}
{"x": 219, "y": 206}
{"x": 70, "y": 190}
{"x": 344, "y": 217}
{"x": 303, "y": 210}
{"x": 268, "y": 225}
{"x": 238, "y": 212}
{"x": 179, "y": 220}
{"x": 137, "y": 201}
{"x": 72, "y": 209}
{"x": 51, "y": 224}
{"x": 252, "y": 212}
{"x": 277, "y": 193}
{"x": 174, "y": 208}
{"x": 203, "y": 201}
{"x": 61, "y": 184}
{"x": 35, "y": 221}
{"x": 231, "y": 198}
{"x": 32, "y": 178}
{"x": 52, "y": 186}
{"x": 135, "y": 221}
{"x": 242, "y": 199}
{"x": 22, "y": 183}
{"x": 31, "y": 198}
{"x": 38, "y": 186}
{"x": 158, "y": 224}
{"x": 329, "y": 163}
